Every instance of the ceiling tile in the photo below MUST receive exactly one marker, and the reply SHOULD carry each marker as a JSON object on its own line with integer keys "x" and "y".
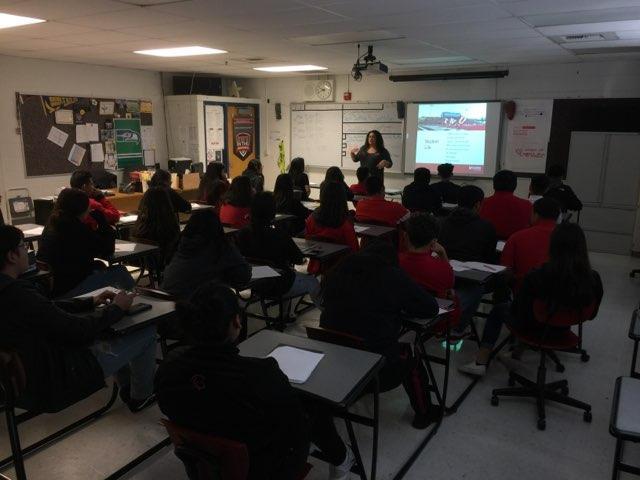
{"x": 46, "y": 29}
{"x": 534, "y": 7}
{"x": 59, "y": 9}
{"x": 123, "y": 18}
{"x": 35, "y": 44}
{"x": 97, "y": 37}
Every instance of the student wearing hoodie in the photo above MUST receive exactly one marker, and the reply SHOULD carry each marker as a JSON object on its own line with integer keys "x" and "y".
{"x": 83, "y": 180}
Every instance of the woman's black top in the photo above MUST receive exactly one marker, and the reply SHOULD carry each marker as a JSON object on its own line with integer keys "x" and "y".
{"x": 371, "y": 161}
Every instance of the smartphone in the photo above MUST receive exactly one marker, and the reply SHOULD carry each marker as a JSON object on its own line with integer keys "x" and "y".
{"x": 138, "y": 308}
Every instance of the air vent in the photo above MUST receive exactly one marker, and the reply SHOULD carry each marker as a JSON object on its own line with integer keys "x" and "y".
{"x": 584, "y": 37}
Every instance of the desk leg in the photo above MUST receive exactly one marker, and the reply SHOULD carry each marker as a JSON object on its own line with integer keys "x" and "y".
{"x": 634, "y": 359}
{"x": 376, "y": 425}
{"x": 354, "y": 447}
{"x": 447, "y": 368}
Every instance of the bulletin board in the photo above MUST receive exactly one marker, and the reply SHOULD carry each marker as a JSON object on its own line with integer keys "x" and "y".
{"x": 61, "y": 134}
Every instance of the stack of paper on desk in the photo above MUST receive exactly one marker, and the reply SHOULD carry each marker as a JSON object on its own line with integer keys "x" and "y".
{"x": 295, "y": 363}
{"x": 459, "y": 266}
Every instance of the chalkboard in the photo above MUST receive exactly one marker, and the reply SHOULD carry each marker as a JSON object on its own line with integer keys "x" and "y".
{"x": 51, "y": 138}
{"x": 324, "y": 134}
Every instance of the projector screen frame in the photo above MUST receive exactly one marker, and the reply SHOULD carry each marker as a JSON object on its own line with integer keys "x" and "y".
{"x": 411, "y": 128}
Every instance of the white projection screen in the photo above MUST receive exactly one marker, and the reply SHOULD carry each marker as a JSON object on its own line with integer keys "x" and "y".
{"x": 465, "y": 134}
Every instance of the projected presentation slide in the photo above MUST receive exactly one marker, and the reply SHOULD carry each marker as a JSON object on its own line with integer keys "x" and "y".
{"x": 452, "y": 133}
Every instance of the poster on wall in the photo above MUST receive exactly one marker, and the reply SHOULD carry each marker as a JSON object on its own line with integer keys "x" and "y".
{"x": 241, "y": 135}
{"x": 528, "y": 136}
{"x": 214, "y": 131}
{"x": 128, "y": 142}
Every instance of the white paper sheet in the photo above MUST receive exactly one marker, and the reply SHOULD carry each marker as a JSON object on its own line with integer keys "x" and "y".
{"x": 149, "y": 158}
{"x": 500, "y": 246}
{"x": 57, "y": 136}
{"x": 33, "y": 231}
{"x": 125, "y": 247}
{"x": 88, "y": 132}
{"x": 128, "y": 218}
{"x": 485, "y": 267}
{"x": 295, "y": 363}
{"x": 310, "y": 205}
{"x": 263, "y": 271}
{"x": 200, "y": 206}
{"x": 98, "y": 292}
{"x": 76, "y": 154}
{"x": 360, "y": 228}
{"x": 97, "y": 153}
{"x": 458, "y": 266}
{"x": 64, "y": 117}
{"x": 148, "y": 137}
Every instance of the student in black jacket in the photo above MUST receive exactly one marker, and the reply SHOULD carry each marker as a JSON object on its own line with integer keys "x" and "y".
{"x": 254, "y": 172}
{"x": 69, "y": 247}
{"x": 162, "y": 179}
{"x": 419, "y": 196}
{"x": 299, "y": 177}
{"x": 367, "y": 295}
{"x": 560, "y": 192}
{"x": 67, "y": 356}
{"x": 287, "y": 203}
{"x": 207, "y": 386}
{"x": 447, "y": 190}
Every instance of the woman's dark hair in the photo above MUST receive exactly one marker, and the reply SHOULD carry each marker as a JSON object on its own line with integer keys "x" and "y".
{"x": 10, "y": 238}
{"x": 156, "y": 218}
{"x": 161, "y": 178}
{"x": 203, "y": 229}
{"x": 505, "y": 181}
{"x": 379, "y": 141}
{"x": 570, "y": 276}
{"x": 215, "y": 192}
{"x": 296, "y": 167}
{"x": 80, "y": 178}
{"x": 254, "y": 165}
{"x": 207, "y": 315}
{"x": 334, "y": 174}
{"x": 283, "y": 192}
{"x": 263, "y": 210}
{"x": 71, "y": 202}
{"x": 215, "y": 172}
{"x": 333, "y": 210}
{"x": 240, "y": 192}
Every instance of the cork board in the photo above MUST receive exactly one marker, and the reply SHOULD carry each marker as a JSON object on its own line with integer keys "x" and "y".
{"x": 49, "y": 127}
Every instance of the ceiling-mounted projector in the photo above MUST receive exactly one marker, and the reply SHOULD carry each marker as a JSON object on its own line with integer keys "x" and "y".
{"x": 367, "y": 64}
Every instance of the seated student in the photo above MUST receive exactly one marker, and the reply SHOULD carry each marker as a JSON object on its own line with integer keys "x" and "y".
{"x": 299, "y": 178}
{"x": 360, "y": 188}
{"x": 334, "y": 174}
{"x": 287, "y": 203}
{"x": 419, "y": 195}
{"x": 561, "y": 192}
{"x": 447, "y": 190}
{"x": 506, "y": 212}
{"x": 261, "y": 241}
{"x": 331, "y": 221}
{"x": 254, "y": 172}
{"x": 69, "y": 247}
{"x": 215, "y": 172}
{"x": 349, "y": 306}
{"x": 215, "y": 194}
{"x": 66, "y": 356}
{"x": 157, "y": 222}
{"x": 204, "y": 253}
{"x": 208, "y": 387}
{"x": 236, "y": 208}
{"x": 375, "y": 208}
{"x": 538, "y": 187}
{"x": 83, "y": 180}
{"x": 565, "y": 280}
{"x": 162, "y": 179}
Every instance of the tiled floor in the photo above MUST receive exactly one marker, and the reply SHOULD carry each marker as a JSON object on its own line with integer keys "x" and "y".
{"x": 478, "y": 442}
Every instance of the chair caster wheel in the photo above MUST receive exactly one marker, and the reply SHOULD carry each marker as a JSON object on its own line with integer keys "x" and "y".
{"x": 495, "y": 401}
{"x": 560, "y": 368}
{"x": 512, "y": 382}
{"x": 565, "y": 391}
{"x": 585, "y": 357}
{"x": 542, "y": 424}
{"x": 587, "y": 417}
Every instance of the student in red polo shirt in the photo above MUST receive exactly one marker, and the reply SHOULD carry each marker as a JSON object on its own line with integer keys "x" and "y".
{"x": 525, "y": 251}
{"x": 503, "y": 209}
{"x": 236, "y": 209}
{"x": 359, "y": 188}
{"x": 83, "y": 180}
{"x": 375, "y": 208}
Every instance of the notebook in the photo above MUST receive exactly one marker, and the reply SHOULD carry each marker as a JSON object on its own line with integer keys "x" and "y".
{"x": 297, "y": 364}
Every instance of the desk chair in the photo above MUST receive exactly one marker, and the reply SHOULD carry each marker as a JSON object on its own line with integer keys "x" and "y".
{"x": 634, "y": 334}
{"x": 207, "y": 457}
{"x": 20, "y": 206}
{"x": 326, "y": 266}
{"x": 551, "y": 334}
{"x": 625, "y": 422}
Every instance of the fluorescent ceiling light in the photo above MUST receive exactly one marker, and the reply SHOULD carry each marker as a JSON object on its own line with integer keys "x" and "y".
{"x": 180, "y": 51}
{"x": 582, "y": 28}
{"x": 290, "y": 68}
{"x": 9, "y": 21}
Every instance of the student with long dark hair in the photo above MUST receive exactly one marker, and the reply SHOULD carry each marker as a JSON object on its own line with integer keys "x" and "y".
{"x": 215, "y": 172}
{"x": 372, "y": 154}
{"x": 162, "y": 179}
{"x": 215, "y": 195}
{"x": 204, "y": 253}
{"x": 335, "y": 175}
{"x": 287, "y": 203}
{"x": 565, "y": 281}
{"x": 349, "y": 306}
{"x": 207, "y": 386}
{"x": 254, "y": 172}
{"x": 70, "y": 247}
{"x": 330, "y": 221}
{"x": 236, "y": 208}
{"x": 157, "y": 222}
{"x": 300, "y": 179}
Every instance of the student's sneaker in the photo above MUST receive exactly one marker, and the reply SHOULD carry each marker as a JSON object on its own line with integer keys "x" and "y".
{"x": 473, "y": 368}
{"x": 422, "y": 421}
{"x": 343, "y": 471}
{"x": 138, "y": 405}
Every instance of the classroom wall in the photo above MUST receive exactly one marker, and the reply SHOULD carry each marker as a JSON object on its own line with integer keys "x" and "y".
{"x": 575, "y": 80}
{"x": 74, "y": 79}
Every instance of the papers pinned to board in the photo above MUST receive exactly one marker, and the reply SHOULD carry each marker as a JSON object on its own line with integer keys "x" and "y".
{"x": 295, "y": 363}
{"x": 57, "y": 136}
{"x": 97, "y": 153}
{"x": 76, "y": 154}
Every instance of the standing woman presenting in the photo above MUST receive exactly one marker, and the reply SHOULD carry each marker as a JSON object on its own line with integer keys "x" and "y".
{"x": 373, "y": 155}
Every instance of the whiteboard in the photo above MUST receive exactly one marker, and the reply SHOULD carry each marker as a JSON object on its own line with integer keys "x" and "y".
{"x": 341, "y": 127}
{"x": 316, "y": 136}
